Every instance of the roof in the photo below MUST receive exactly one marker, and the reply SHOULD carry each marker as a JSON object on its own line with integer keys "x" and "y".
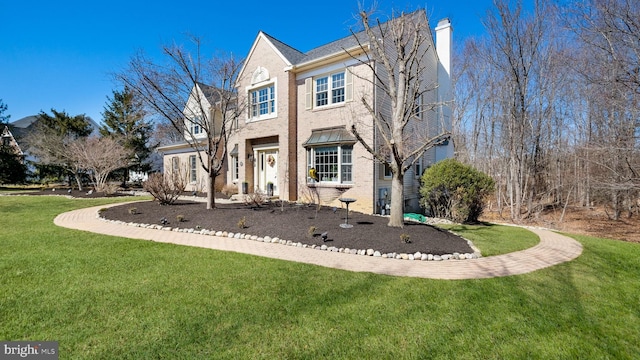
{"x": 297, "y": 57}
{"x": 329, "y": 136}
{"x": 290, "y": 53}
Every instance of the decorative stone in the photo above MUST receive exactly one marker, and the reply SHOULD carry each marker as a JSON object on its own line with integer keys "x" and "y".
{"x": 370, "y": 252}
{"x": 411, "y": 257}
{"x": 323, "y": 247}
{"x": 218, "y": 233}
{"x": 267, "y": 239}
{"x": 404, "y": 256}
{"x": 424, "y": 257}
{"x": 430, "y": 257}
{"x": 254, "y": 238}
{"x": 417, "y": 255}
{"x": 377, "y": 254}
{"x": 437, "y": 258}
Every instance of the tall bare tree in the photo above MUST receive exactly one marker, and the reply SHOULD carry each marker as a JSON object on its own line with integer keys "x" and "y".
{"x": 197, "y": 96}
{"x": 609, "y": 34}
{"x": 401, "y": 51}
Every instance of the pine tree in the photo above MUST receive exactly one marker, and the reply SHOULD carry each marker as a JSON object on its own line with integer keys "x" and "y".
{"x": 124, "y": 118}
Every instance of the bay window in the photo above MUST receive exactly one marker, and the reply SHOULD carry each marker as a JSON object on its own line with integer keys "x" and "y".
{"x": 332, "y": 163}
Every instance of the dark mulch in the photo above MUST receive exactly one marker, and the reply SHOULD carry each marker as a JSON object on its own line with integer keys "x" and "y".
{"x": 293, "y": 222}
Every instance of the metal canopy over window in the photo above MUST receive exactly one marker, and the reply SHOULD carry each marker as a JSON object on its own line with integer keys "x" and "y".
{"x": 331, "y": 136}
{"x": 234, "y": 152}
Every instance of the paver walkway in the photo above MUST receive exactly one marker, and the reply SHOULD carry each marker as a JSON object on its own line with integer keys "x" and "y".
{"x": 553, "y": 249}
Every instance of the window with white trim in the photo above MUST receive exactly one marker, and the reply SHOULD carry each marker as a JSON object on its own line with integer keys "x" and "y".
{"x": 175, "y": 163}
{"x": 388, "y": 174}
{"x": 332, "y": 163}
{"x": 330, "y": 89}
{"x": 418, "y": 169}
{"x": 235, "y": 168}
{"x": 193, "y": 169}
{"x": 263, "y": 101}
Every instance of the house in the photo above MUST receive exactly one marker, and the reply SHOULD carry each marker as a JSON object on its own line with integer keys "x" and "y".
{"x": 300, "y": 107}
{"x": 9, "y": 142}
{"x": 180, "y": 157}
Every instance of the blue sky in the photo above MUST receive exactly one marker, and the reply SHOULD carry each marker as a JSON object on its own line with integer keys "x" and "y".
{"x": 60, "y": 54}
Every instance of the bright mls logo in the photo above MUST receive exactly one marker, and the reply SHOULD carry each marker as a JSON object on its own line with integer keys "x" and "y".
{"x": 39, "y": 350}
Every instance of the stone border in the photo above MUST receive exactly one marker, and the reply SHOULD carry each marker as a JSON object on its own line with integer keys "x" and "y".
{"x": 275, "y": 240}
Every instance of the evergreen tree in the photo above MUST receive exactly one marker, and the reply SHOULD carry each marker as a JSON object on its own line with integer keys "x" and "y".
{"x": 50, "y": 139}
{"x": 4, "y": 119}
{"x": 124, "y": 118}
{"x": 12, "y": 168}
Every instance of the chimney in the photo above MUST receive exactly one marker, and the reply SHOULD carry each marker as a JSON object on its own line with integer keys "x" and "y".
{"x": 444, "y": 32}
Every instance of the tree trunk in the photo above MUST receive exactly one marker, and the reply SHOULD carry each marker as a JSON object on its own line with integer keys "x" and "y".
{"x": 397, "y": 201}
{"x": 211, "y": 192}
{"x": 78, "y": 180}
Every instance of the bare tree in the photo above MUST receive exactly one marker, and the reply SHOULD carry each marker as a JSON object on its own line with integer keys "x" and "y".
{"x": 609, "y": 34}
{"x": 197, "y": 96}
{"x": 50, "y": 141}
{"x": 401, "y": 51}
{"x": 100, "y": 157}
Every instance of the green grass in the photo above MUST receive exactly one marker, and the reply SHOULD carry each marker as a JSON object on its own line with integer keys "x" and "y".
{"x": 104, "y": 297}
{"x": 494, "y": 239}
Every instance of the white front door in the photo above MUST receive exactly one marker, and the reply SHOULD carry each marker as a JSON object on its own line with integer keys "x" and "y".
{"x": 268, "y": 170}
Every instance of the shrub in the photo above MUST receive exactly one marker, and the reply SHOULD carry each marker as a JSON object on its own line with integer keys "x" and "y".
{"x": 230, "y": 189}
{"x": 180, "y": 218}
{"x": 165, "y": 189}
{"x": 405, "y": 238}
{"x": 133, "y": 211}
{"x": 255, "y": 198}
{"x": 312, "y": 230}
{"x": 242, "y": 223}
{"x": 455, "y": 191}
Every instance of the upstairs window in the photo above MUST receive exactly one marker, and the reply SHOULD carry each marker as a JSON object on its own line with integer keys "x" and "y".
{"x": 263, "y": 101}
{"x": 330, "y": 89}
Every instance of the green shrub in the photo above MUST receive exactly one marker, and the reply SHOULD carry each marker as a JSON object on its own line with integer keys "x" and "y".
{"x": 454, "y": 191}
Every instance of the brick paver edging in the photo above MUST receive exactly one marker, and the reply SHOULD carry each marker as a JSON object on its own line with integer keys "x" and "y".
{"x": 553, "y": 249}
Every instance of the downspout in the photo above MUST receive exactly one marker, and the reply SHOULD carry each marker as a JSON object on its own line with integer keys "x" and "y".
{"x": 376, "y": 169}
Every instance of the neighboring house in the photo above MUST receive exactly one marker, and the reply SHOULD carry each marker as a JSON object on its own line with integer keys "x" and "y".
{"x": 8, "y": 141}
{"x": 300, "y": 108}
{"x": 22, "y": 127}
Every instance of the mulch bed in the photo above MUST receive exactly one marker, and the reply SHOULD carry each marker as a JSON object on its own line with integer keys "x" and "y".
{"x": 294, "y": 222}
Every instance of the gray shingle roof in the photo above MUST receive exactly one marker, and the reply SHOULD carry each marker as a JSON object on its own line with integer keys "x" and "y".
{"x": 297, "y": 57}
{"x": 291, "y": 54}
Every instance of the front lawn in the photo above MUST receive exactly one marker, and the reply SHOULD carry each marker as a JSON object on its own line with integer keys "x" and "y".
{"x": 104, "y": 297}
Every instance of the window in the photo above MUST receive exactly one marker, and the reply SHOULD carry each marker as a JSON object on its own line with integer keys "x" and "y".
{"x": 418, "y": 169}
{"x": 387, "y": 172}
{"x": 195, "y": 129}
{"x": 263, "y": 101}
{"x": 332, "y": 163}
{"x": 330, "y": 89}
{"x": 175, "y": 163}
{"x": 234, "y": 168}
{"x": 193, "y": 175}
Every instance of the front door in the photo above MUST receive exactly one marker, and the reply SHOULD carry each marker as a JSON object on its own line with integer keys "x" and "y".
{"x": 268, "y": 170}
